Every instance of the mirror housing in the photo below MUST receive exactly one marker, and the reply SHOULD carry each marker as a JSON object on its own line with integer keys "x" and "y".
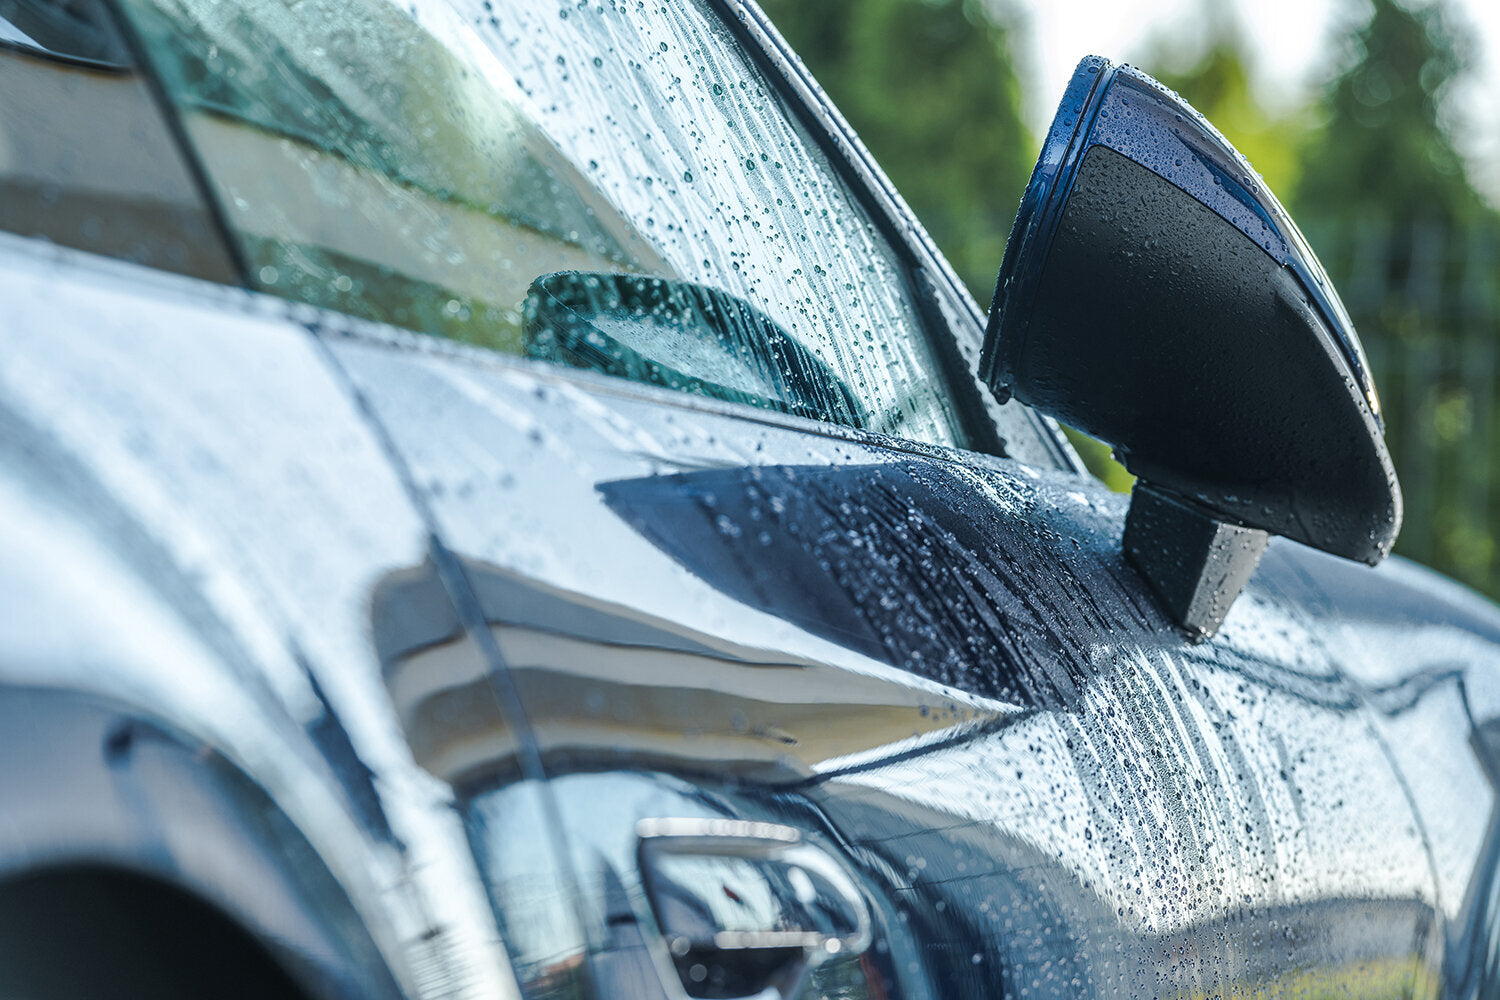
{"x": 1156, "y": 296}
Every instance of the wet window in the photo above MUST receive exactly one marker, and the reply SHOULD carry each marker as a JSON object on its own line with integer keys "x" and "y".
{"x": 603, "y": 186}
{"x": 86, "y": 159}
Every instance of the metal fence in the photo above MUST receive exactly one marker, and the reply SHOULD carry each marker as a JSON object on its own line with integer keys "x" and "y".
{"x": 1426, "y": 301}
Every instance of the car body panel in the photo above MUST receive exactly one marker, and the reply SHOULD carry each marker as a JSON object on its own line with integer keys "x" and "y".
{"x": 1165, "y": 789}
{"x": 920, "y": 769}
{"x": 143, "y": 799}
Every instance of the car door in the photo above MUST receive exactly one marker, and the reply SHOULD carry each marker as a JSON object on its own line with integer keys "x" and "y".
{"x": 727, "y": 552}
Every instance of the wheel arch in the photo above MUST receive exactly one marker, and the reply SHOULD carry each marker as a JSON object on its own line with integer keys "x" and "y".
{"x": 120, "y": 830}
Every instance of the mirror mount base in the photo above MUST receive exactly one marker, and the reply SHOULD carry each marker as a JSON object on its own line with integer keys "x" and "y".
{"x": 1195, "y": 561}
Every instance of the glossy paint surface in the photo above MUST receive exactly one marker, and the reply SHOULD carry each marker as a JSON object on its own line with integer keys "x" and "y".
{"x": 195, "y": 515}
{"x": 1046, "y": 784}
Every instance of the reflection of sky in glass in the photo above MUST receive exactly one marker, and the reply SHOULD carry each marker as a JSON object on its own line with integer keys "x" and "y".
{"x": 697, "y": 352}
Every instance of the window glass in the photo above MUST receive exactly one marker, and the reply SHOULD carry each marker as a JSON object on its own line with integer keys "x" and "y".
{"x": 86, "y": 158}
{"x": 601, "y": 185}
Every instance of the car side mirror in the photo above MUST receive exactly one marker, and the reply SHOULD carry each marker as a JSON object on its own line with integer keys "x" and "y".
{"x": 1156, "y": 296}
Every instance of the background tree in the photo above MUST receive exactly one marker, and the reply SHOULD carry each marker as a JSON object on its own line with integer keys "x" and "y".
{"x": 1383, "y": 147}
{"x": 1415, "y": 252}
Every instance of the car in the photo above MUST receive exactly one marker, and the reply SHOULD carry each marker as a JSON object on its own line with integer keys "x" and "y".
{"x": 504, "y": 500}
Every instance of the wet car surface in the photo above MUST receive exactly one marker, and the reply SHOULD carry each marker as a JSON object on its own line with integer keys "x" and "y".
{"x": 729, "y": 642}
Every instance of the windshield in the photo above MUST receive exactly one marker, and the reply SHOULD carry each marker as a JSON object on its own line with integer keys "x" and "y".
{"x": 428, "y": 165}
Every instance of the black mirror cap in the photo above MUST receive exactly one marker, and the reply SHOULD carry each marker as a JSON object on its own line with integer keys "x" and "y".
{"x": 1156, "y": 296}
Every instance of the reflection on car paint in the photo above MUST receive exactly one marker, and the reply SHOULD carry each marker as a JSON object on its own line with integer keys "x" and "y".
{"x": 751, "y": 711}
{"x": 905, "y": 562}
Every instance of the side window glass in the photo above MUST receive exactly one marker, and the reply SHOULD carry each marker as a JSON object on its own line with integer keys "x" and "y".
{"x": 605, "y": 186}
{"x": 86, "y": 159}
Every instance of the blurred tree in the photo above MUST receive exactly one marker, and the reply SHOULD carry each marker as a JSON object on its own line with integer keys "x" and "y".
{"x": 1385, "y": 200}
{"x": 1384, "y": 148}
{"x": 931, "y": 88}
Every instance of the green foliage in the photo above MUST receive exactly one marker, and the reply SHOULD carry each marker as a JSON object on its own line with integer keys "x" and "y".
{"x": 1383, "y": 147}
{"x": 931, "y": 88}
{"x": 1100, "y": 461}
{"x": 1385, "y": 200}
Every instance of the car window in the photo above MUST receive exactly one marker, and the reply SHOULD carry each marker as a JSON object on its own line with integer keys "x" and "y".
{"x": 86, "y": 157}
{"x": 606, "y": 186}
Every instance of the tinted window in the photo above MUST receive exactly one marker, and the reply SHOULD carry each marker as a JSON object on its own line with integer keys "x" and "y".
{"x": 491, "y": 176}
{"x": 86, "y": 159}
